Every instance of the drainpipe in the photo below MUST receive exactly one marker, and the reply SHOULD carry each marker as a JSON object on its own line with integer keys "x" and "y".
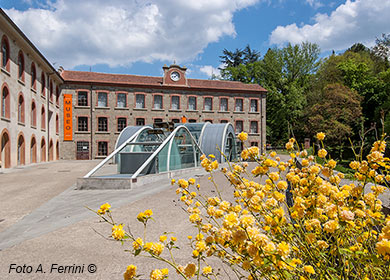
{"x": 91, "y": 120}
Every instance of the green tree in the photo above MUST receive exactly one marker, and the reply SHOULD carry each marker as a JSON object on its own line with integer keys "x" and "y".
{"x": 336, "y": 111}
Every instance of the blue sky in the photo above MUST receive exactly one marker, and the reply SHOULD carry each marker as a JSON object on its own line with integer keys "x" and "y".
{"x": 139, "y": 36}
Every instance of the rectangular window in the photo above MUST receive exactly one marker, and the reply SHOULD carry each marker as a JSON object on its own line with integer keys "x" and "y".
{"x": 239, "y": 105}
{"x": 82, "y": 98}
{"x": 158, "y": 102}
{"x": 139, "y": 121}
{"x": 82, "y": 146}
{"x": 102, "y": 124}
{"x": 210, "y": 121}
{"x": 102, "y": 149}
{"x": 192, "y": 103}
{"x": 224, "y": 121}
{"x": 208, "y": 104}
{"x": 254, "y": 127}
{"x": 158, "y": 120}
{"x": 82, "y": 123}
{"x": 175, "y": 102}
{"x": 223, "y": 105}
{"x": 102, "y": 99}
{"x": 254, "y": 105}
{"x": 140, "y": 101}
{"x": 122, "y": 123}
{"x": 254, "y": 144}
{"x": 192, "y": 121}
{"x": 239, "y": 126}
{"x": 121, "y": 101}
{"x": 175, "y": 120}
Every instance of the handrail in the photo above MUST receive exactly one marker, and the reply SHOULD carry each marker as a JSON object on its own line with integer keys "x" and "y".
{"x": 162, "y": 146}
{"x": 97, "y": 167}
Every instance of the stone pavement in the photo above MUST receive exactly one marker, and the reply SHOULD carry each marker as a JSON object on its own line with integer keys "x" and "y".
{"x": 61, "y": 231}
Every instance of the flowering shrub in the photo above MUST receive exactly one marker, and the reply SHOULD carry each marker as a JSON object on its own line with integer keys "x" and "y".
{"x": 330, "y": 230}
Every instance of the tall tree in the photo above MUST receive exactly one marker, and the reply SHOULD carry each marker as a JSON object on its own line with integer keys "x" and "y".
{"x": 382, "y": 47}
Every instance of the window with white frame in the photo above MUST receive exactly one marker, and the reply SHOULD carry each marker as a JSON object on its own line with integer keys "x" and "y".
{"x": 208, "y": 104}
{"x": 157, "y": 102}
{"x": 223, "y": 105}
{"x": 254, "y": 127}
{"x": 192, "y": 103}
{"x": 121, "y": 101}
{"x": 254, "y": 105}
{"x": 239, "y": 105}
{"x": 175, "y": 102}
{"x": 140, "y": 101}
{"x": 239, "y": 126}
{"x": 102, "y": 99}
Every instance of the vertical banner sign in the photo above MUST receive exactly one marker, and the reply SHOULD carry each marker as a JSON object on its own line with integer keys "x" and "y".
{"x": 68, "y": 124}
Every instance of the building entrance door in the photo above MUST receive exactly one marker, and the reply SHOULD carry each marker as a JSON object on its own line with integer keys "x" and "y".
{"x": 82, "y": 150}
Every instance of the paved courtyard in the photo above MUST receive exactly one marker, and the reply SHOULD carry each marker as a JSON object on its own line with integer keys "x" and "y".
{"x": 46, "y": 222}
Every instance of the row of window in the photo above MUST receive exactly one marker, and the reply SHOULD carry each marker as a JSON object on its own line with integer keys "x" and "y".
{"x": 5, "y": 63}
{"x": 6, "y": 110}
{"x": 121, "y": 123}
{"x": 121, "y": 102}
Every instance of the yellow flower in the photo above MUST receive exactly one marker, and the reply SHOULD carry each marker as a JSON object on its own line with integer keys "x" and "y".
{"x": 331, "y": 226}
{"x": 117, "y": 232}
{"x": 214, "y": 165}
{"x": 242, "y": 136}
{"x": 191, "y": 181}
{"x": 309, "y": 269}
{"x": 141, "y": 217}
{"x": 157, "y": 248}
{"x": 231, "y": 220}
{"x": 195, "y": 218}
{"x": 207, "y": 270}
{"x": 195, "y": 253}
{"x": 320, "y": 136}
{"x": 332, "y": 163}
{"x": 163, "y": 238}
{"x": 272, "y": 154}
{"x": 164, "y": 271}
{"x": 156, "y": 274}
{"x": 173, "y": 239}
{"x": 383, "y": 247}
{"x": 201, "y": 246}
{"x": 283, "y": 249}
{"x": 173, "y": 181}
{"x": 130, "y": 272}
{"x": 104, "y": 208}
{"x": 138, "y": 243}
{"x": 183, "y": 183}
{"x": 148, "y": 213}
{"x": 322, "y": 153}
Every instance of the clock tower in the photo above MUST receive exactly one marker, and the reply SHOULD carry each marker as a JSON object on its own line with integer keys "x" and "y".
{"x": 174, "y": 75}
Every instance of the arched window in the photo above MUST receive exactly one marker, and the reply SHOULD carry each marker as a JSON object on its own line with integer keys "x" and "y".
{"x": 43, "y": 83}
{"x": 33, "y": 76}
{"x": 33, "y": 114}
{"x": 43, "y": 118}
{"x": 51, "y": 150}
{"x": 43, "y": 149}
{"x": 51, "y": 91}
{"x": 57, "y": 124}
{"x": 5, "y": 102}
{"x": 5, "y": 53}
{"x": 33, "y": 150}
{"x": 5, "y": 149}
{"x": 21, "y": 109}
{"x": 21, "y": 150}
{"x": 57, "y": 95}
{"x": 21, "y": 66}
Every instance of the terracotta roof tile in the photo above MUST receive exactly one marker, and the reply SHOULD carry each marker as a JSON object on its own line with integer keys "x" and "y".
{"x": 123, "y": 79}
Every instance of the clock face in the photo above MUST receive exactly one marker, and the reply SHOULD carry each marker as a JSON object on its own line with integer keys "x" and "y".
{"x": 175, "y": 76}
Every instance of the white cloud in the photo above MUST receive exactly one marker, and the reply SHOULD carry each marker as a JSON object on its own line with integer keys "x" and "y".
{"x": 210, "y": 71}
{"x": 360, "y": 21}
{"x": 315, "y": 3}
{"x": 120, "y": 32}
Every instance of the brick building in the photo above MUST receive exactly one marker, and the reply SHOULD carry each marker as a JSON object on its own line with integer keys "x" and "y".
{"x": 29, "y": 100}
{"x": 101, "y": 105}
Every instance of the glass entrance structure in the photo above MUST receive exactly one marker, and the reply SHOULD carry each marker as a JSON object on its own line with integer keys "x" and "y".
{"x": 163, "y": 147}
